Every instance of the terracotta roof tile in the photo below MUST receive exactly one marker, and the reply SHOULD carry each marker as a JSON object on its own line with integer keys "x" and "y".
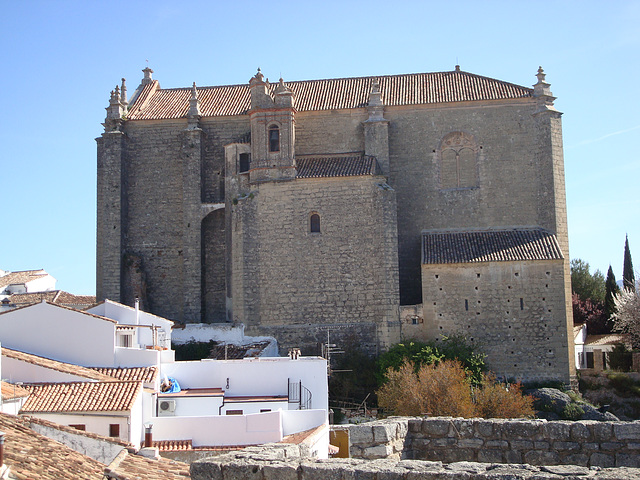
{"x": 489, "y": 246}
{"x": 335, "y": 165}
{"x": 338, "y": 93}
{"x": 11, "y": 391}
{"x": 53, "y": 296}
{"x": 608, "y": 339}
{"x": 138, "y": 374}
{"x": 81, "y": 397}
{"x": 24, "y": 276}
{"x": 69, "y": 368}
{"x": 30, "y": 455}
{"x": 135, "y": 467}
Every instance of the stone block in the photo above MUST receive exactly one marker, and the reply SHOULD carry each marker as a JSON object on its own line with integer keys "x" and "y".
{"x": 443, "y": 442}
{"x": 360, "y": 434}
{"x": 436, "y": 427}
{"x": 206, "y": 470}
{"x": 610, "y": 446}
{"x": 241, "y": 470}
{"x": 322, "y": 471}
{"x": 535, "y": 457}
{"x": 484, "y": 428}
{"x": 602, "y": 432}
{"x": 627, "y": 431}
{"x": 384, "y": 433}
{"x": 280, "y": 471}
{"x": 529, "y": 430}
{"x": 627, "y": 460}
{"x": 490, "y": 455}
{"x": 415, "y": 425}
{"x": 604, "y": 460}
{"x": 512, "y": 456}
{"x": 377, "y": 451}
{"x": 556, "y": 431}
{"x": 566, "y": 446}
{"x": 470, "y": 443}
{"x": 576, "y": 459}
{"x": 580, "y": 432}
{"x": 521, "y": 444}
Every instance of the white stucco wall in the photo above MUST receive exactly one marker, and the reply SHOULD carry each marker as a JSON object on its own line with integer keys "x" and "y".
{"x": 192, "y": 406}
{"x": 220, "y": 430}
{"x": 93, "y": 423}
{"x": 59, "y": 333}
{"x": 255, "y": 376}
{"x": 254, "y": 407}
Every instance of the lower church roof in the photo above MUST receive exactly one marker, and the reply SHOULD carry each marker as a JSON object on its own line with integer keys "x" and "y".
{"x": 336, "y": 165}
{"x": 442, "y": 247}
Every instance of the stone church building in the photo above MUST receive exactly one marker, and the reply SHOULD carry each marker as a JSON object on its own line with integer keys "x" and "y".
{"x": 376, "y": 208}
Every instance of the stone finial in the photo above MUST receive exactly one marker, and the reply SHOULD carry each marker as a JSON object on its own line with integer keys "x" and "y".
{"x": 147, "y": 76}
{"x": 257, "y": 78}
{"x": 375, "y": 106}
{"x": 123, "y": 93}
{"x": 115, "y": 111}
{"x": 457, "y": 68}
{"x": 542, "y": 92}
{"x": 283, "y": 94}
{"x": 194, "y": 104}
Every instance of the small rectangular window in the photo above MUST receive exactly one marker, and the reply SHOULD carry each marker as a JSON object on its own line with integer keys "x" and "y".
{"x": 264, "y": 410}
{"x": 114, "y": 430}
{"x": 245, "y": 159}
{"x": 234, "y": 412}
{"x": 522, "y": 304}
{"x": 78, "y": 426}
{"x": 274, "y": 139}
{"x": 466, "y": 305}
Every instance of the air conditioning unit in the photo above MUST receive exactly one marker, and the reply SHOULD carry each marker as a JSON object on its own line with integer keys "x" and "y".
{"x": 166, "y": 407}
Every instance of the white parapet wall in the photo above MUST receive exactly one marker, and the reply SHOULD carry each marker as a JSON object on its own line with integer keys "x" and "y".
{"x": 223, "y": 333}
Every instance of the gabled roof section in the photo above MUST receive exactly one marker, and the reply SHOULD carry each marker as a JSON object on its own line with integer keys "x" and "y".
{"x": 19, "y": 278}
{"x": 62, "y": 367}
{"x": 330, "y": 94}
{"x": 31, "y": 455}
{"x": 11, "y": 391}
{"x": 71, "y": 309}
{"x": 127, "y": 466}
{"x": 336, "y": 165}
{"x": 81, "y": 397}
{"x": 52, "y": 296}
{"x": 443, "y": 247}
{"x": 137, "y": 374}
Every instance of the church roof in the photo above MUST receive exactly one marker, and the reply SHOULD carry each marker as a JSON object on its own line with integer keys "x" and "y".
{"x": 441, "y": 247}
{"x": 335, "y": 165}
{"x": 154, "y": 103}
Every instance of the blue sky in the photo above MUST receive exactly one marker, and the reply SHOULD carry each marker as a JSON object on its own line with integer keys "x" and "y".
{"x": 61, "y": 59}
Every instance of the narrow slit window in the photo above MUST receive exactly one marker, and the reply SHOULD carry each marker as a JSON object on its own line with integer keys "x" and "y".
{"x": 314, "y": 223}
{"x": 274, "y": 138}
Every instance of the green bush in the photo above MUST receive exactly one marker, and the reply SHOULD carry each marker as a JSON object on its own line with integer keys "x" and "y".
{"x": 192, "y": 350}
{"x": 418, "y": 353}
{"x": 620, "y": 358}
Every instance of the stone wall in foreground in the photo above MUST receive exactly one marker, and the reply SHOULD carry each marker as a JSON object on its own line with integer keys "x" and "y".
{"x": 532, "y": 442}
{"x": 291, "y": 462}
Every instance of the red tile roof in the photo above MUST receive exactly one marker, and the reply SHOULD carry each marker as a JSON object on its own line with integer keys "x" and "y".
{"x": 53, "y": 296}
{"x": 135, "y": 467}
{"x": 334, "y": 165}
{"x": 81, "y": 397}
{"x": 139, "y": 374}
{"x": 489, "y": 246}
{"x": 30, "y": 455}
{"x": 24, "y": 276}
{"x": 338, "y": 93}
{"x": 11, "y": 391}
{"x": 69, "y": 368}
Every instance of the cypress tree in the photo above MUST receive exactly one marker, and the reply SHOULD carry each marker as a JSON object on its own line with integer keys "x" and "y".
{"x": 612, "y": 290}
{"x": 628, "y": 277}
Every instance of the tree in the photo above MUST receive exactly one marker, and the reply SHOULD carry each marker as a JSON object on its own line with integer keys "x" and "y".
{"x": 586, "y": 311}
{"x": 586, "y": 285}
{"x": 627, "y": 316}
{"x": 628, "y": 277}
{"x": 611, "y": 290}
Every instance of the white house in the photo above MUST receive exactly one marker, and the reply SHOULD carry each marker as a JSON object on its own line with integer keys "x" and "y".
{"x": 25, "y": 281}
{"x": 592, "y": 350}
{"x": 84, "y": 338}
{"x": 220, "y": 402}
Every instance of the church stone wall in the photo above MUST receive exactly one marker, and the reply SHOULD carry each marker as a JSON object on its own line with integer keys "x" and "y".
{"x": 330, "y": 131}
{"x": 513, "y": 311}
{"x": 508, "y": 177}
{"x": 285, "y": 275}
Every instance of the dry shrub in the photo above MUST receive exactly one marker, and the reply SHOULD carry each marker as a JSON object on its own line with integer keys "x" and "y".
{"x": 439, "y": 390}
{"x": 445, "y": 390}
{"x": 497, "y": 400}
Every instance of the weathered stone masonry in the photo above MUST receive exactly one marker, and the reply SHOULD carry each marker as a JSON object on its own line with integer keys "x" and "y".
{"x": 301, "y": 207}
{"x": 449, "y": 448}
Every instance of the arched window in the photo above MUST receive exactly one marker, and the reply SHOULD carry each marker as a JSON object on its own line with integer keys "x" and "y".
{"x": 314, "y": 223}
{"x": 274, "y": 138}
{"x": 458, "y": 155}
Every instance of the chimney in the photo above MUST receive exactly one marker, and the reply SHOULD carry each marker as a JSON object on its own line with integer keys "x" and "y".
{"x": 148, "y": 434}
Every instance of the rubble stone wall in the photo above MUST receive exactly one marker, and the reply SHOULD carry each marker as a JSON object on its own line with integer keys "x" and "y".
{"x": 533, "y": 442}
